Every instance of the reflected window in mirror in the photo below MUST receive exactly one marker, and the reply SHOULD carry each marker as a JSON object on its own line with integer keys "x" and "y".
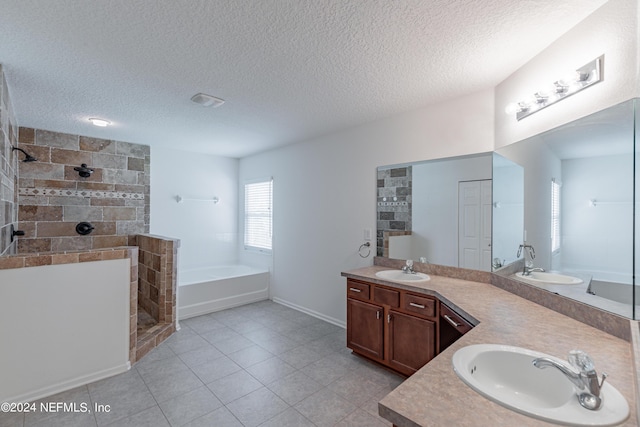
{"x": 555, "y": 215}
{"x": 582, "y": 226}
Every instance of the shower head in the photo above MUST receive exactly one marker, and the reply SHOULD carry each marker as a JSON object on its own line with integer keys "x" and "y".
{"x": 27, "y": 157}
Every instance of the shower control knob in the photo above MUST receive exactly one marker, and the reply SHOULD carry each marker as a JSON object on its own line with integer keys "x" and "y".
{"x": 84, "y": 228}
{"x": 84, "y": 171}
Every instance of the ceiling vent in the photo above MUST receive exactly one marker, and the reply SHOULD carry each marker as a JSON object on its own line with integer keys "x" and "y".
{"x": 207, "y": 100}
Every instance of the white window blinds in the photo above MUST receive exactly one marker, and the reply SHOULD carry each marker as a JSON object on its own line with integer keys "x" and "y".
{"x": 258, "y": 218}
{"x": 555, "y": 215}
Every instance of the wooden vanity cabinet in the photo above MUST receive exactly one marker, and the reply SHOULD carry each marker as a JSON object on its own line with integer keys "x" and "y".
{"x": 411, "y": 342}
{"x": 391, "y": 326}
{"x": 365, "y": 329}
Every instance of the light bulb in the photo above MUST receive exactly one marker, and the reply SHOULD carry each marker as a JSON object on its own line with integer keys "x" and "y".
{"x": 512, "y": 108}
{"x": 547, "y": 90}
{"x": 99, "y": 122}
{"x": 569, "y": 78}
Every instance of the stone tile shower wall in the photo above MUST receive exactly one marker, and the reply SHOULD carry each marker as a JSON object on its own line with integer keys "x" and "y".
{"x": 54, "y": 198}
{"x": 157, "y": 276}
{"x": 157, "y": 288}
{"x": 393, "y": 204}
{"x": 8, "y": 170}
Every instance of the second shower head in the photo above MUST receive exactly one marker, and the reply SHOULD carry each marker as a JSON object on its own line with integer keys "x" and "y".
{"x": 27, "y": 157}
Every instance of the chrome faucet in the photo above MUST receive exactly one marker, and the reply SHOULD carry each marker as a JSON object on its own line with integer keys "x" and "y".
{"x": 408, "y": 268}
{"x": 586, "y": 379}
{"x": 528, "y": 269}
{"x": 528, "y": 265}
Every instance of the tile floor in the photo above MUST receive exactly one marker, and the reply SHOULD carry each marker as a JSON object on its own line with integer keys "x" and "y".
{"x": 261, "y": 364}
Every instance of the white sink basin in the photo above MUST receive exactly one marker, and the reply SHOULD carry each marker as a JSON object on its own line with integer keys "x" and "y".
{"x": 401, "y": 276}
{"x": 506, "y": 375}
{"x": 552, "y": 278}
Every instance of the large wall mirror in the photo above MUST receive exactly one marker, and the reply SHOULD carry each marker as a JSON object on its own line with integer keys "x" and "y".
{"x": 437, "y": 211}
{"x": 579, "y": 209}
{"x": 570, "y": 193}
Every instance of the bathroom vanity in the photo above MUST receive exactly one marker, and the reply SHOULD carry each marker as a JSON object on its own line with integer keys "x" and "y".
{"x": 433, "y": 395}
{"x": 397, "y": 328}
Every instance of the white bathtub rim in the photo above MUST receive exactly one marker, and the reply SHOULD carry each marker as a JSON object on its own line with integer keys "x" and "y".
{"x": 241, "y": 270}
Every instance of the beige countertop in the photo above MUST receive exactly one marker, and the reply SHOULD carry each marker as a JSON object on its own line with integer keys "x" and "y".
{"x": 435, "y": 396}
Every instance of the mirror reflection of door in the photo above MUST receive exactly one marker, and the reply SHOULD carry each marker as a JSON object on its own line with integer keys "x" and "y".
{"x": 474, "y": 224}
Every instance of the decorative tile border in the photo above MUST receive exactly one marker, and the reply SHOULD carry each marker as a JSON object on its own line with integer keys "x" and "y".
{"x": 64, "y": 192}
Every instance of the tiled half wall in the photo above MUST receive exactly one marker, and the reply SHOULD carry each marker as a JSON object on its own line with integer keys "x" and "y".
{"x": 157, "y": 287}
{"x": 8, "y": 170}
{"x": 54, "y": 198}
{"x": 73, "y": 257}
{"x": 155, "y": 253}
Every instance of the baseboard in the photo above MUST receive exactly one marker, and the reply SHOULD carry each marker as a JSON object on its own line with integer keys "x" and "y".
{"x": 206, "y": 307}
{"x": 310, "y": 312}
{"x": 68, "y": 385}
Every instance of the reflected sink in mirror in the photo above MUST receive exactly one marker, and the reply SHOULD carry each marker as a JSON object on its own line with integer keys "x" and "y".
{"x": 551, "y": 278}
{"x": 507, "y": 376}
{"x": 401, "y": 276}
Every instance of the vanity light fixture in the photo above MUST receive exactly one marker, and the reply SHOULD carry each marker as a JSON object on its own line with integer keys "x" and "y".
{"x": 583, "y": 77}
{"x": 99, "y": 122}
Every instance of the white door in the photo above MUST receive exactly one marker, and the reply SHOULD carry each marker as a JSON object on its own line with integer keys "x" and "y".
{"x": 474, "y": 224}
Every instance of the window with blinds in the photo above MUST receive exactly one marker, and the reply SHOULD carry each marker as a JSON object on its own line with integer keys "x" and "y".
{"x": 555, "y": 215}
{"x": 258, "y": 215}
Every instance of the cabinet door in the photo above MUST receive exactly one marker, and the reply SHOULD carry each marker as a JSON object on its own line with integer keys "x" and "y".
{"x": 365, "y": 328}
{"x": 412, "y": 342}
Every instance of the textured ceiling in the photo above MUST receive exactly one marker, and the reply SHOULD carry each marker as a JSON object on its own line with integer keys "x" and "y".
{"x": 288, "y": 69}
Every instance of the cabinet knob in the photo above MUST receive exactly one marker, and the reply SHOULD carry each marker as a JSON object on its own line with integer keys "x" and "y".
{"x": 378, "y": 314}
{"x": 413, "y": 304}
{"x": 355, "y": 290}
{"x": 388, "y": 318}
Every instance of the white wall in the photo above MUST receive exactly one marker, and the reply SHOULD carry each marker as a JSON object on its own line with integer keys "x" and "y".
{"x": 325, "y": 193}
{"x": 207, "y": 231}
{"x": 597, "y": 239}
{"x": 63, "y": 326}
{"x": 540, "y": 166}
{"x": 508, "y": 210}
{"x": 613, "y": 31}
{"x": 435, "y": 205}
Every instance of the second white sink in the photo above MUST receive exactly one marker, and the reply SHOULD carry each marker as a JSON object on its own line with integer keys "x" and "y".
{"x": 507, "y": 376}
{"x": 401, "y": 276}
{"x": 552, "y": 278}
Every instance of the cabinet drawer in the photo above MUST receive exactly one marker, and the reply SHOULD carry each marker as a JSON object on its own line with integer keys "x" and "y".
{"x": 386, "y": 296}
{"x": 358, "y": 290}
{"x": 419, "y": 305}
{"x": 454, "y": 319}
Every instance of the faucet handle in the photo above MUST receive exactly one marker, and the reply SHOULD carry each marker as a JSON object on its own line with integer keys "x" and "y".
{"x": 581, "y": 361}
{"x": 604, "y": 377}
